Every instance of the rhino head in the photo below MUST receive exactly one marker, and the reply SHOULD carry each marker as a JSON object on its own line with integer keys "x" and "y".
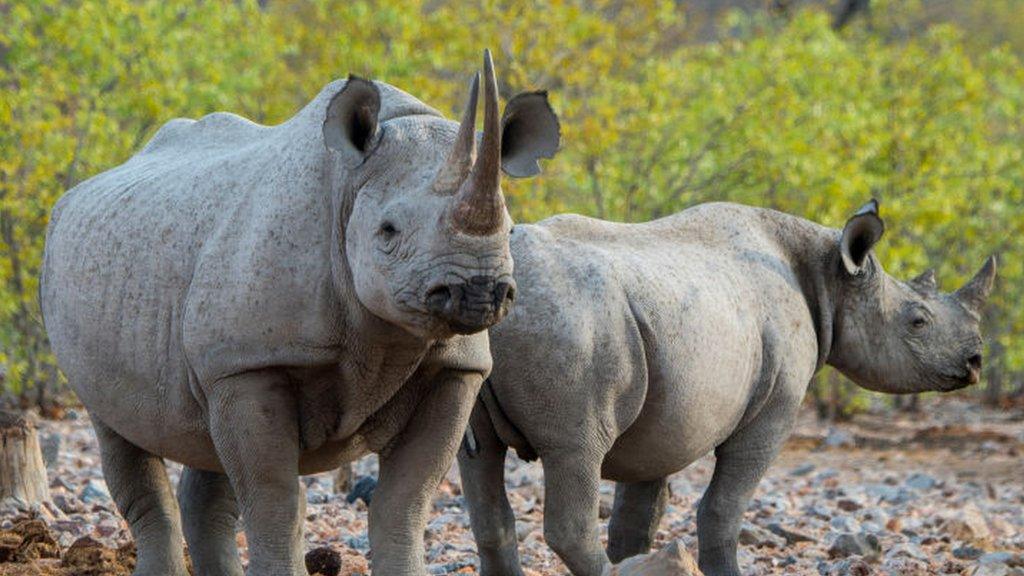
{"x": 903, "y": 337}
{"x": 427, "y": 235}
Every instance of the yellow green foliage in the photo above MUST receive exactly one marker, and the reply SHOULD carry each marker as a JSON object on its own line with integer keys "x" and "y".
{"x": 786, "y": 114}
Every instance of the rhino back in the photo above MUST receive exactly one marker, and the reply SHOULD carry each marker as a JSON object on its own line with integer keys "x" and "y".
{"x": 685, "y": 296}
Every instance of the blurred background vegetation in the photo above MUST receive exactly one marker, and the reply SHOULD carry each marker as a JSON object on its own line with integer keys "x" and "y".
{"x": 807, "y": 107}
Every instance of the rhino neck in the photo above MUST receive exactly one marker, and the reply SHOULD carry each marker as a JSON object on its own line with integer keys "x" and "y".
{"x": 811, "y": 250}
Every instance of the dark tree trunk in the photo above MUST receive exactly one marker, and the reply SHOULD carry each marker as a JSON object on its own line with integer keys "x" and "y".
{"x": 996, "y": 373}
{"x": 847, "y": 10}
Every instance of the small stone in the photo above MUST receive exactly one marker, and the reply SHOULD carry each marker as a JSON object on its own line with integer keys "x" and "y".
{"x": 1001, "y": 557}
{"x": 847, "y": 567}
{"x": 50, "y": 444}
{"x": 968, "y": 552}
{"x": 846, "y": 544}
{"x": 790, "y": 536}
{"x": 323, "y": 561}
{"x": 363, "y": 490}
{"x": 838, "y": 438}
{"x": 360, "y": 542}
{"x": 921, "y": 481}
{"x": 844, "y": 524}
{"x": 94, "y": 492}
{"x": 672, "y": 560}
{"x": 967, "y": 525}
{"x": 847, "y": 505}
{"x": 752, "y": 535}
{"x": 449, "y": 567}
{"x": 802, "y": 470}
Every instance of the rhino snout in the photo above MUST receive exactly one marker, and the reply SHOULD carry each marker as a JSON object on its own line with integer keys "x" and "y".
{"x": 471, "y": 306}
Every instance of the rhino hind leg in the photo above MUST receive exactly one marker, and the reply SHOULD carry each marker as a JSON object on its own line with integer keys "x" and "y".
{"x": 482, "y": 468}
{"x": 139, "y": 486}
{"x": 209, "y": 515}
{"x": 740, "y": 463}
{"x": 635, "y": 516}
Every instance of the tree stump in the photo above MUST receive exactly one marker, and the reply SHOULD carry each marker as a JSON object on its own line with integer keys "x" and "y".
{"x": 23, "y": 481}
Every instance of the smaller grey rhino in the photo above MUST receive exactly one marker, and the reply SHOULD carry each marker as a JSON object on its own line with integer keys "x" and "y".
{"x": 635, "y": 349}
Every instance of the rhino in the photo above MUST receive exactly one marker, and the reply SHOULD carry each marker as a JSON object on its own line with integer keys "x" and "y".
{"x": 635, "y": 349}
{"x": 260, "y": 302}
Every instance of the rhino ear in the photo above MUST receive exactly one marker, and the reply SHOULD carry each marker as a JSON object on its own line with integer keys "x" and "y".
{"x": 860, "y": 234}
{"x": 350, "y": 128}
{"x": 529, "y": 131}
{"x": 925, "y": 283}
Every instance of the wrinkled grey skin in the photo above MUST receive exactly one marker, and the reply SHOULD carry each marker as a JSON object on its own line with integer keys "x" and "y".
{"x": 634, "y": 350}
{"x": 260, "y": 302}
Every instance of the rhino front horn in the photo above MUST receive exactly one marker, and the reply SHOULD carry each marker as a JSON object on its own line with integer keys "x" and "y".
{"x": 479, "y": 206}
{"x": 974, "y": 293}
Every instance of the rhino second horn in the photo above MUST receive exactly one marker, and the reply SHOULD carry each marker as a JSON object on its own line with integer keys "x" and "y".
{"x": 480, "y": 207}
{"x": 463, "y": 155}
{"x": 974, "y": 294}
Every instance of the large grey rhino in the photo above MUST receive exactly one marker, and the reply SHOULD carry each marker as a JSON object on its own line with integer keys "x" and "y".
{"x": 633, "y": 350}
{"x": 259, "y": 302}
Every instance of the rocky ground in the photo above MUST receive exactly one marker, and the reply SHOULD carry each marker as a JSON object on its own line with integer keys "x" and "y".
{"x": 938, "y": 492}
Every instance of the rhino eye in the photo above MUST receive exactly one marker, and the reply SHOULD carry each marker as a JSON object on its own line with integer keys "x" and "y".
{"x": 388, "y": 230}
{"x": 919, "y": 322}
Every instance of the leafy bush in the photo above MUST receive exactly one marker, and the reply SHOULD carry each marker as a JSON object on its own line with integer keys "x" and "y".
{"x": 787, "y": 114}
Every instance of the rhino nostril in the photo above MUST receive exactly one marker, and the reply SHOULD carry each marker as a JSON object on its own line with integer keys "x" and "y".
{"x": 438, "y": 298}
{"x": 974, "y": 363}
{"x": 504, "y": 292}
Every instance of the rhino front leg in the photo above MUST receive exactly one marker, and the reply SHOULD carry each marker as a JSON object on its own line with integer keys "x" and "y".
{"x": 571, "y": 484}
{"x": 138, "y": 483}
{"x": 741, "y": 462}
{"x": 635, "y": 516}
{"x": 253, "y": 423}
{"x": 483, "y": 485}
{"x": 209, "y": 514}
{"x": 411, "y": 467}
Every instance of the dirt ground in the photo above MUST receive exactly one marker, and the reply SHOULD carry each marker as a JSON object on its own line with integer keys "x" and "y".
{"x": 940, "y": 491}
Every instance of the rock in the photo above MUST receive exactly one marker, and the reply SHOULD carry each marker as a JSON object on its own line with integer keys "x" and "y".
{"x": 360, "y": 542}
{"x": 846, "y": 544}
{"x": 51, "y": 445}
{"x": 847, "y": 505}
{"x": 790, "y": 536}
{"x": 994, "y": 569}
{"x": 844, "y": 524}
{"x": 95, "y": 491}
{"x": 449, "y": 567}
{"x": 68, "y": 503}
{"x": 323, "y": 561}
{"x": 968, "y": 552}
{"x": 847, "y": 567}
{"x": 752, "y": 535}
{"x": 838, "y": 438}
{"x": 1001, "y": 557}
{"x": 802, "y": 470}
{"x": 363, "y": 490}
{"x": 921, "y": 481}
{"x": 672, "y": 560}
{"x": 906, "y": 550}
{"x": 967, "y": 525}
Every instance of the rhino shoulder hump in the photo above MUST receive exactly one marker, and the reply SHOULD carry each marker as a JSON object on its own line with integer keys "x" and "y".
{"x": 218, "y": 128}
